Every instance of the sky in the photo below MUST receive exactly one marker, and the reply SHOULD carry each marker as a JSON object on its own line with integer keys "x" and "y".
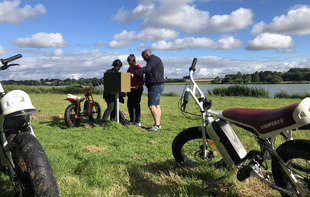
{"x": 75, "y": 39}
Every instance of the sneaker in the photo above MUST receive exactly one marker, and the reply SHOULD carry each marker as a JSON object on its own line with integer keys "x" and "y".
{"x": 155, "y": 128}
{"x": 138, "y": 124}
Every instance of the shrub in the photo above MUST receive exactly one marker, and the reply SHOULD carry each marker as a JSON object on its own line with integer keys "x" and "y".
{"x": 239, "y": 90}
{"x": 282, "y": 94}
{"x": 170, "y": 94}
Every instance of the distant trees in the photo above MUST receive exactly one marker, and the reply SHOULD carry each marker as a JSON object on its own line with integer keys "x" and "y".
{"x": 294, "y": 74}
{"x": 54, "y": 82}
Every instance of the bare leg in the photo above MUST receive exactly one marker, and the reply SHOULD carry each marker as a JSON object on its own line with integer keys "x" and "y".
{"x": 156, "y": 113}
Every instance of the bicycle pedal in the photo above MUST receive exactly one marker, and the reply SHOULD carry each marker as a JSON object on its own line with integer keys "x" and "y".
{"x": 244, "y": 173}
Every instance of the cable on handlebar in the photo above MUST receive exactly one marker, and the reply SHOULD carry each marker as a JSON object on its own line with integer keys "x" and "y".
{"x": 182, "y": 103}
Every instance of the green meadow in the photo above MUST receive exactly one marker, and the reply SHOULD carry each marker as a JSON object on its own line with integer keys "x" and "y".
{"x": 131, "y": 161}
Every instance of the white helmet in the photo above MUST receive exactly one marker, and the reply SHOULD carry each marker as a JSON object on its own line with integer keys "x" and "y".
{"x": 16, "y": 102}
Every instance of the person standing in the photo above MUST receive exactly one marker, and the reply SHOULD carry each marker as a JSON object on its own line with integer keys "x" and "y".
{"x": 109, "y": 97}
{"x": 154, "y": 81}
{"x": 134, "y": 96}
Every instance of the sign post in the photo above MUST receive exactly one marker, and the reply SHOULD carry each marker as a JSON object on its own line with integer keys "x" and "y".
{"x": 117, "y": 82}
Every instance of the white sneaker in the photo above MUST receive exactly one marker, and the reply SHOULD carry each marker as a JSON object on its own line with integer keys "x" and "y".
{"x": 138, "y": 124}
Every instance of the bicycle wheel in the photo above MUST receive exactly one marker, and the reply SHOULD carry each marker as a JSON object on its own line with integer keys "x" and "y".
{"x": 187, "y": 148}
{"x": 95, "y": 112}
{"x": 70, "y": 119}
{"x": 296, "y": 155}
{"x": 32, "y": 167}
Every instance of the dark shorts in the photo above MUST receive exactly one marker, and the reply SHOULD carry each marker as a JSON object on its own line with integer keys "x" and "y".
{"x": 154, "y": 94}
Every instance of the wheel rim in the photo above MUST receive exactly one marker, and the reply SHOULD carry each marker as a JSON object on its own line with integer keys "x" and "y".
{"x": 193, "y": 155}
{"x": 95, "y": 112}
{"x": 300, "y": 168}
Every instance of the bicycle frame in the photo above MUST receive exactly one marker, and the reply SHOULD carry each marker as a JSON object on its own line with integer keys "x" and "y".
{"x": 234, "y": 154}
{"x": 78, "y": 100}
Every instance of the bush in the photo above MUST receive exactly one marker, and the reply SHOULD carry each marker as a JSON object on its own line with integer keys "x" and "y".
{"x": 282, "y": 94}
{"x": 170, "y": 94}
{"x": 239, "y": 90}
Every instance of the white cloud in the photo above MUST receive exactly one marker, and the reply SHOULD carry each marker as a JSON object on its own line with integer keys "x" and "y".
{"x": 151, "y": 34}
{"x": 182, "y": 15}
{"x": 296, "y": 21}
{"x": 12, "y": 13}
{"x": 258, "y": 28}
{"x": 192, "y": 42}
{"x": 99, "y": 43}
{"x": 42, "y": 40}
{"x": 119, "y": 43}
{"x": 141, "y": 11}
{"x": 126, "y": 38}
{"x": 177, "y": 16}
{"x": 270, "y": 41}
{"x": 81, "y": 64}
{"x": 238, "y": 19}
{"x": 2, "y": 50}
{"x": 58, "y": 52}
{"x": 206, "y": 73}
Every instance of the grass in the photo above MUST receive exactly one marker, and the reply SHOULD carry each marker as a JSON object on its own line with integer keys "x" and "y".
{"x": 131, "y": 161}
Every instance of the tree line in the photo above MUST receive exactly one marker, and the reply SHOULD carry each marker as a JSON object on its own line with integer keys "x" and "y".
{"x": 272, "y": 77}
{"x": 294, "y": 74}
{"x": 67, "y": 82}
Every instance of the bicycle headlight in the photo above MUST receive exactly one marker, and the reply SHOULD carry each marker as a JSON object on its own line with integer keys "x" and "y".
{"x": 15, "y": 122}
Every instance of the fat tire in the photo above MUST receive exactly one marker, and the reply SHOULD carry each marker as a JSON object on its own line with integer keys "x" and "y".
{"x": 184, "y": 137}
{"x": 32, "y": 167}
{"x": 95, "y": 115}
{"x": 70, "y": 119}
{"x": 294, "y": 149}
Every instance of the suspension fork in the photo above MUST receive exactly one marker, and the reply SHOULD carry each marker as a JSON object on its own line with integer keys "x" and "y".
{"x": 204, "y": 126}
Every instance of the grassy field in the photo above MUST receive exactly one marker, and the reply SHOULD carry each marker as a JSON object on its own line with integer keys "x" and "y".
{"x": 131, "y": 161}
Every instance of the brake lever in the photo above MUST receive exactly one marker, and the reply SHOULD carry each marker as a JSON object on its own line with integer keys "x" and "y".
{"x": 5, "y": 66}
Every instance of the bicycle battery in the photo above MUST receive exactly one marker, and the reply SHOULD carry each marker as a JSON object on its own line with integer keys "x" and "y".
{"x": 227, "y": 142}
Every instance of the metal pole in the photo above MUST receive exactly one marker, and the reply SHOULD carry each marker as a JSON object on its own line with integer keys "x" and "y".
{"x": 117, "y": 106}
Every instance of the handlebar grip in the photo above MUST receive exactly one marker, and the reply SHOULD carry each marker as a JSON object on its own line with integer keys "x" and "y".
{"x": 5, "y": 61}
{"x": 186, "y": 96}
{"x": 185, "y": 101}
{"x": 193, "y": 65}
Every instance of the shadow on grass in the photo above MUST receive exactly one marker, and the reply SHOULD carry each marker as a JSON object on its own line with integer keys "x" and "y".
{"x": 168, "y": 179}
{"x": 60, "y": 123}
{"x": 5, "y": 185}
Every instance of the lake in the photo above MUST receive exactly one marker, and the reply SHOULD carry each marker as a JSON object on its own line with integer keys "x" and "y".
{"x": 272, "y": 88}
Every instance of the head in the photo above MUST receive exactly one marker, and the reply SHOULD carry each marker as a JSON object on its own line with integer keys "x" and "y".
{"x": 117, "y": 64}
{"x": 131, "y": 59}
{"x": 146, "y": 54}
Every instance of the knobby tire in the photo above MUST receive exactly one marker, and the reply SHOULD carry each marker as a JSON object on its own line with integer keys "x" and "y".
{"x": 32, "y": 167}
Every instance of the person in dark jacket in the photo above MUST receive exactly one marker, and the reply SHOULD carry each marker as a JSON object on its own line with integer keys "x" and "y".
{"x": 109, "y": 97}
{"x": 154, "y": 81}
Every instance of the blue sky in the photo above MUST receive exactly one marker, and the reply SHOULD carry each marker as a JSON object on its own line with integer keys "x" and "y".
{"x": 77, "y": 38}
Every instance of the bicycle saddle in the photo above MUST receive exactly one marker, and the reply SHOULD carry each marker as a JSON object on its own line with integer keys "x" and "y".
{"x": 263, "y": 120}
{"x": 70, "y": 96}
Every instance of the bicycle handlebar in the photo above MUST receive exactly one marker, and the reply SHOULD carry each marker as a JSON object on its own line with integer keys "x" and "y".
{"x": 7, "y": 60}
{"x": 193, "y": 65}
{"x": 202, "y": 102}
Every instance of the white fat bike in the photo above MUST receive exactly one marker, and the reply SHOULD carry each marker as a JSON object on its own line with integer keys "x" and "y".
{"x": 216, "y": 143}
{"x": 22, "y": 157}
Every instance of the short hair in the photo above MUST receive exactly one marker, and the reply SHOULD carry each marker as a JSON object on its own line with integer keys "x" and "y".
{"x": 117, "y": 62}
{"x": 146, "y": 51}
